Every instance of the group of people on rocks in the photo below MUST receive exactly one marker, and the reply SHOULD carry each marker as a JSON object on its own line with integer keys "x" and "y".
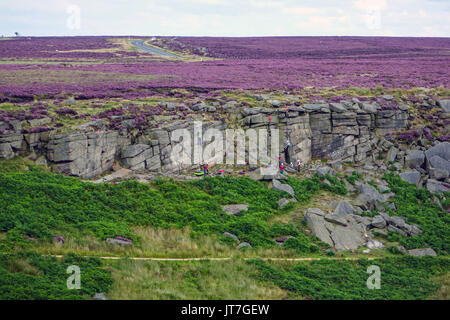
{"x": 282, "y": 166}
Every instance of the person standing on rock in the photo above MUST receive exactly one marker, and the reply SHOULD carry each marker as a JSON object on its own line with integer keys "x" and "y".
{"x": 282, "y": 168}
{"x": 299, "y": 166}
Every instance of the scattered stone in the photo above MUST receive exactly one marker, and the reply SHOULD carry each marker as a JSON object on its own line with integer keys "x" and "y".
{"x": 230, "y": 235}
{"x": 378, "y": 222}
{"x": 100, "y": 296}
{"x": 442, "y": 150}
{"x": 444, "y": 104}
{"x": 244, "y": 245}
{"x": 283, "y": 202}
{"x": 235, "y": 209}
{"x": 392, "y": 154}
{"x": 119, "y": 241}
{"x": 412, "y": 177}
{"x": 435, "y": 186}
{"x": 343, "y": 207}
{"x": 374, "y": 244}
{"x": 422, "y": 252}
{"x": 283, "y": 187}
{"x": 321, "y": 172}
{"x": 337, "y": 218}
{"x": 414, "y": 159}
{"x": 315, "y": 211}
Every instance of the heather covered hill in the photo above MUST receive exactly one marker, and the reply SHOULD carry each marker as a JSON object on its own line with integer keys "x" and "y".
{"x": 113, "y": 67}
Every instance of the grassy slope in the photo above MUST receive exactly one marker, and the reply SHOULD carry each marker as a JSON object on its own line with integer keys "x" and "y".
{"x": 163, "y": 223}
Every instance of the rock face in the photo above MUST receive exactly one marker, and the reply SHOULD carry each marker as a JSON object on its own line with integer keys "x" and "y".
{"x": 235, "y": 209}
{"x": 84, "y": 155}
{"x": 337, "y": 131}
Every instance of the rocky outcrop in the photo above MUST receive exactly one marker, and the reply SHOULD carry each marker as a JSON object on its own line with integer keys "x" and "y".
{"x": 336, "y": 131}
{"x": 341, "y": 231}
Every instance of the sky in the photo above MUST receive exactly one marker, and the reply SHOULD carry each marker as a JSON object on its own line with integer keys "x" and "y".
{"x": 417, "y": 18}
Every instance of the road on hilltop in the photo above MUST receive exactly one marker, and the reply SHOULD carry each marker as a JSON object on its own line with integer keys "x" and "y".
{"x": 150, "y": 49}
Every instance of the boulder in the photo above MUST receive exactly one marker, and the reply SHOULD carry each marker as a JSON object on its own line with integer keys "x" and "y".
{"x": 317, "y": 224}
{"x": 322, "y": 171}
{"x": 283, "y": 202}
{"x": 337, "y": 218}
{"x": 244, "y": 245}
{"x": 277, "y": 185}
{"x": 378, "y": 222}
{"x": 315, "y": 211}
{"x": 444, "y": 104}
{"x": 442, "y": 150}
{"x": 369, "y": 197}
{"x": 348, "y": 237}
{"x": 260, "y": 174}
{"x": 230, "y": 235}
{"x": 435, "y": 186}
{"x": 422, "y": 252}
{"x": 369, "y": 108}
{"x": 412, "y": 177}
{"x": 235, "y": 209}
{"x": 119, "y": 241}
{"x": 397, "y": 230}
{"x": 392, "y": 154}
{"x": 438, "y": 167}
{"x": 374, "y": 244}
{"x": 343, "y": 207}
{"x": 100, "y": 296}
{"x": 337, "y": 107}
{"x": 414, "y": 159}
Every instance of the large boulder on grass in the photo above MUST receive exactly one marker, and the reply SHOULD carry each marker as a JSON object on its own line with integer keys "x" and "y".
{"x": 235, "y": 209}
{"x": 412, "y": 177}
{"x": 277, "y": 185}
{"x": 422, "y": 252}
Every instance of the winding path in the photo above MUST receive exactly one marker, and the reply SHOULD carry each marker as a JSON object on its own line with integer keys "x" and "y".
{"x": 221, "y": 259}
{"x": 153, "y": 50}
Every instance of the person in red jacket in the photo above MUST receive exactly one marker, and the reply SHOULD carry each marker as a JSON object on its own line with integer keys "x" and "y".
{"x": 282, "y": 168}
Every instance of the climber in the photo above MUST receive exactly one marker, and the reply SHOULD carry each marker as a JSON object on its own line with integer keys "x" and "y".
{"x": 282, "y": 168}
{"x": 299, "y": 166}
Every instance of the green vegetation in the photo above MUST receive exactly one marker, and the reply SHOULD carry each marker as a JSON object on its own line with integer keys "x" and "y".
{"x": 353, "y": 177}
{"x": 401, "y": 277}
{"x": 29, "y": 276}
{"x": 38, "y": 204}
{"x": 164, "y": 280}
{"x": 417, "y": 205}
